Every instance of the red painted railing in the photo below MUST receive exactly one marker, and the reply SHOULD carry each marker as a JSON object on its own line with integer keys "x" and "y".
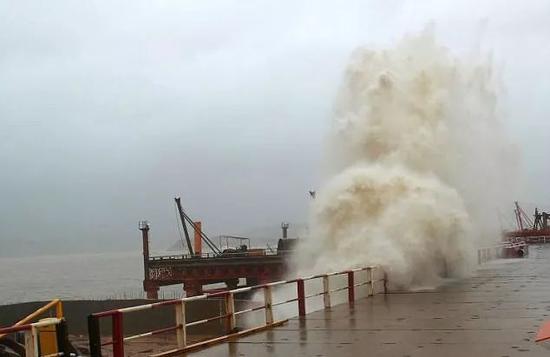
{"x": 510, "y": 249}
{"x": 301, "y": 297}
{"x": 32, "y": 333}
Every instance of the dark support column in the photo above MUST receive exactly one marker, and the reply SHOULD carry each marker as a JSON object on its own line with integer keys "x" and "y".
{"x": 94, "y": 336}
{"x": 152, "y": 291}
{"x": 351, "y": 288}
{"x": 301, "y": 297}
{"x": 62, "y": 337}
{"x": 192, "y": 288}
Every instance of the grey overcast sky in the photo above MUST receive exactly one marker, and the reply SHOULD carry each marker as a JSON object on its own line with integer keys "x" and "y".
{"x": 110, "y": 108}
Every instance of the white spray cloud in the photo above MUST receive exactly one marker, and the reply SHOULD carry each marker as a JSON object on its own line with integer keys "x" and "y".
{"x": 417, "y": 162}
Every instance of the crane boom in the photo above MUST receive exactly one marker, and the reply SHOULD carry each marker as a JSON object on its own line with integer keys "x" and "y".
{"x": 184, "y": 224}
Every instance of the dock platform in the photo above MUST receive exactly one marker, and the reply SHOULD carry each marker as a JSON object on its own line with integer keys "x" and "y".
{"x": 497, "y": 312}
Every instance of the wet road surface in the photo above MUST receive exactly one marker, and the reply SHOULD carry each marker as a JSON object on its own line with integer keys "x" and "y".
{"x": 495, "y": 313}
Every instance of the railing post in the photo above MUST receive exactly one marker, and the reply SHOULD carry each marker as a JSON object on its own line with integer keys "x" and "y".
{"x": 301, "y": 297}
{"x": 268, "y": 305}
{"x": 31, "y": 343}
{"x": 118, "y": 335}
{"x": 59, "y": 309}
{"x": 94, "y": 336}
{"x": 326, "y": 291}
{"x": 230, "y": 311}
{"x": 385, "y": 282}
{"x": 181, "y": 332}
{"x": 370, "y": 291}
{"x": 351, "y": 287}
{"x": 62, "y": 336}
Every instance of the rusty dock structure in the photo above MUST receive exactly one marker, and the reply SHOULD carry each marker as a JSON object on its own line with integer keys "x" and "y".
{"x": 226, "y": 264}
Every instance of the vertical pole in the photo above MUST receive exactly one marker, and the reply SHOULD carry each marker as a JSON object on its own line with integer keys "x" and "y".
{"x": 31, "y": 343}
{"x": 326, "y": 291}
{"x": 268, "y": 305}
{"x": 94, "y": 336}
{"x": 144, "y": 228}
{"x": 351, "y": 288}
{"x": 118, "y": 335}
{"x": 62, "y": 336}
{"x": 230, "y": 311}
{"x": 197, "y": 238}
{"x": 181, "y": 332}
{"x": 370, "y": 291}
{"x": 478, "y": 256}
{"x": 301, "y": 297}
{"x": 59, "y": 309}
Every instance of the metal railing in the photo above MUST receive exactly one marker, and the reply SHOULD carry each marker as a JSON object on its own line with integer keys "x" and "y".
{"x": 230, "y": 314}
{"x": 32, "y": 336}
{"x": 226, "y": 255}
{"x": 56, "y": 303}
{"x": 485, "y": 254}
{"x": 32, "y": 333}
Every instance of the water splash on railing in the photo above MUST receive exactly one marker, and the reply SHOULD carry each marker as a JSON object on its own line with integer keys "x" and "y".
{"x": 417, "y": 161}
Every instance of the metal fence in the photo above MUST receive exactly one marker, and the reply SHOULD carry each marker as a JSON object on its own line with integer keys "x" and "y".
{"x": 32, "y": 337}
{"x": 299, "y": 296}
{"x": 503, "y": 250}
{"x": 33, "y": 331}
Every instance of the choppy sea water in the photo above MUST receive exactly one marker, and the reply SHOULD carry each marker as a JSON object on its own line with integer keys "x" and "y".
{"x": 78, "y": 276}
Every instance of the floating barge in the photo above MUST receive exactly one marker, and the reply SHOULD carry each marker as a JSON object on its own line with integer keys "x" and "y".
{"x": 228, "y": 265}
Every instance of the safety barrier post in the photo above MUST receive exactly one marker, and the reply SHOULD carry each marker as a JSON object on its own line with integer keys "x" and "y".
{"x": 385, "y": 282}
{"x": 351, "y": 287}
{"x": 301, "y": 297}
{"x": 268, "y": 305}
{"x": 181, "y": 332}
{"x": 118, "y": 335}
{"x": 326, "y": 291}
{"x": 62, "y": 336}
{"x": 370, "y": 291}
{"x": 230, "y": 311}
{"x": 31, "y": 343}
{"x": 94, "y": 336}
{"x": 59, "y": 309}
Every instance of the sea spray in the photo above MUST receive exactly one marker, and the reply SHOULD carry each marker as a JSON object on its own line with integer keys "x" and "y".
{"x": 417, "y": 160}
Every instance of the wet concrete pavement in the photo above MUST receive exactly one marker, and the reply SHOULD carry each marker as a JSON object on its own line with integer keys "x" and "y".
{"x": 495, "y": 313}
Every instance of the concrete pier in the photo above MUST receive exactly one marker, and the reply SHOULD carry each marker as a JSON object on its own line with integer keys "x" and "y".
{"x": 495, "y": 313}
